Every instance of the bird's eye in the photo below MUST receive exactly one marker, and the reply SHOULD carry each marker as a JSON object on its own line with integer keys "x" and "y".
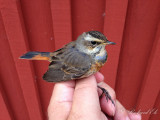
{"x": 93, "y": 42}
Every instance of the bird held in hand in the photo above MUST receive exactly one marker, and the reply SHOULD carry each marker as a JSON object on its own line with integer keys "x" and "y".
{"x": 77, "y": 59}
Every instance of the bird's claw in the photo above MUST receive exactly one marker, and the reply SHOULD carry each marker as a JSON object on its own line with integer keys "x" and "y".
{"x": 107, "y": 95}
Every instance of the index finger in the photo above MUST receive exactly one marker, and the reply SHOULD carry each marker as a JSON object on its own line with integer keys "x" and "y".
{"x": 61, "y": 100}
{"x": 85, "y": 99}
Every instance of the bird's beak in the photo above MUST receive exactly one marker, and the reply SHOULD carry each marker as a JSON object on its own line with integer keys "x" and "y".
{"x": 109, "y": 43}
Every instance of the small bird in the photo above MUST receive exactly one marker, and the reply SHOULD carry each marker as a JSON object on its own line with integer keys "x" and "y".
{"x": 77, "y": 59}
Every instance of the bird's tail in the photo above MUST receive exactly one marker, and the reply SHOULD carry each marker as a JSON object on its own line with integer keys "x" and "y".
{"x": 36, "y": 56}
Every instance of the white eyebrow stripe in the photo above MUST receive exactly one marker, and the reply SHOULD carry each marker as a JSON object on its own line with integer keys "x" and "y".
{"x": 90, "y": 38}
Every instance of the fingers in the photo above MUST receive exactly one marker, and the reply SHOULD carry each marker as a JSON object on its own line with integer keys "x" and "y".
{"x": 107, "y": 106}
{"x": 118, "y": 111}
{"x": 70, "y": 101}
{"x": 86, "y": 101}
{"x": 99, "y": 77}
{"x": 121, "y": 113}
{"x": 61, "y": 100}
{"x": 134, "y": 116}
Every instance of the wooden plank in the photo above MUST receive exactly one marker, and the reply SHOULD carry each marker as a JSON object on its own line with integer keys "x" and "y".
{"x": 9, "y": 81}
{"x": 4, "y": 109}
{"x": 139, "y": 33}
{"x": 13, "y": 23}
{"x": 150, "y": 87}
{"x": 61, "y": 16}
{"x": 38, "y": 23}
{"x": 87, "y": 15}
{"x": 4, "y": 114}
{"x": 155, "y": 115}
{"x": 42, "y": 39}
{"x": 114, "y": 22}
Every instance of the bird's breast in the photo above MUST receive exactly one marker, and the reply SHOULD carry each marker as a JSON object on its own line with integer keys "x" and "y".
{"x": 101, "y": 57}
{"x": 99, "y": 61}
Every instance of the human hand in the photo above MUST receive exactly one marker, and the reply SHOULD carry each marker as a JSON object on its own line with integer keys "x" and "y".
{"x": 79, "y": 100}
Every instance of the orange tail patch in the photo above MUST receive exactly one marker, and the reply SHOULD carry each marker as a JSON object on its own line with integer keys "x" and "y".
{"x": 36, "y": 56}
{"x": 39, "y": 57}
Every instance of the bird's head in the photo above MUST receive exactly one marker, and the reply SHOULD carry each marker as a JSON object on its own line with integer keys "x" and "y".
{"x": 92, "y": 42}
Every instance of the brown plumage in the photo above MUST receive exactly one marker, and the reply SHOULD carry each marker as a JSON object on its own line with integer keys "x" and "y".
{"x": 67, "y": 63}
{"x": 76, "y": 60}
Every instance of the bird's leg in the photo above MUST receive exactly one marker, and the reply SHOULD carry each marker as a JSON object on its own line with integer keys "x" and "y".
{"x": 107, "y": 95}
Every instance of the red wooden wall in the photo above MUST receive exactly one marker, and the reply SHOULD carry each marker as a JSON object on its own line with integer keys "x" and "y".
{"x": 133, "y": 67}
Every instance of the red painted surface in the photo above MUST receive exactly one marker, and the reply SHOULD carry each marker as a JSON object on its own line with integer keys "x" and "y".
{"x": 133, "y": 65}
{"x": 138, "y": 38}
{"x": 115, "y": 14}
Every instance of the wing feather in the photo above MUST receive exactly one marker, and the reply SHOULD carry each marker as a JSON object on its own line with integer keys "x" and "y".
{"x": 67, "y": 65}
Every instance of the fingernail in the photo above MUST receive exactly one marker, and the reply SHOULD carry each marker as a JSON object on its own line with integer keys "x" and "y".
{"x": 138, "y": 116}
{"x": 113, "y": 109}
{"x": 101, "y": 75}
{"x": 135, "y": 116}
{"x": 127, "y": 118}
{"x": 100, "y": 83}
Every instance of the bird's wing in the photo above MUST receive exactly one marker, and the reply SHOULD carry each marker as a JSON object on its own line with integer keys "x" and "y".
{"x": 67, "y": 65}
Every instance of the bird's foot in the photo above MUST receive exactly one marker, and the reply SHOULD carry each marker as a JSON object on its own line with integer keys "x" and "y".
{"x": 107, "y": 95}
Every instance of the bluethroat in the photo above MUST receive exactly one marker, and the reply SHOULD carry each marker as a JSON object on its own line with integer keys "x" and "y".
{"x": 77, "y": 59}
